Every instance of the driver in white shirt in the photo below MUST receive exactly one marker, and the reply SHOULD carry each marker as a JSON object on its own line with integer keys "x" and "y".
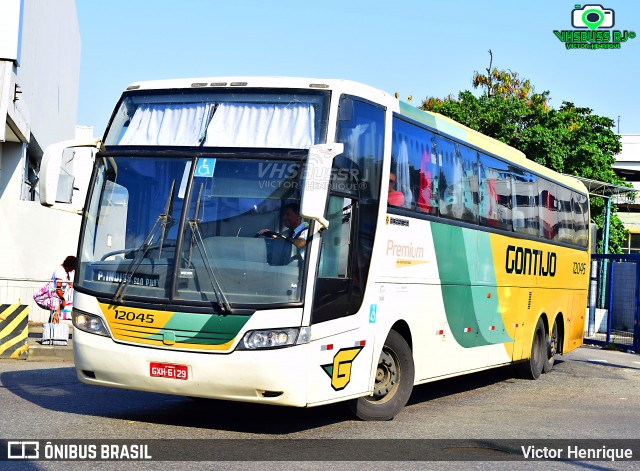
{"x": 297, "y": 230}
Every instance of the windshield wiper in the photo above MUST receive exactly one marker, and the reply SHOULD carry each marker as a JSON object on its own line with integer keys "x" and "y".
{"x": 167, "y": 220}
{"x": 192, "y": 222}
{"x": 163, "y": 220}
{"x": 197, "y": 235}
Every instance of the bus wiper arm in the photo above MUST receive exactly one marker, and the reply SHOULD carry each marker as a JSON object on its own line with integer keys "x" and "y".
{"x": 197, "y": 235}
{"x": 164, "y": 220}
{"x": 167, "y": 220}
{"x": 140, "y": 252}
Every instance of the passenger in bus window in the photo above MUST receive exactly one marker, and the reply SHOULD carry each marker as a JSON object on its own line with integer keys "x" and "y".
{"x": 395, "y": 198}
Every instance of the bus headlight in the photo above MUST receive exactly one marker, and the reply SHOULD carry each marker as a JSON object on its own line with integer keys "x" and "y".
{"x": 89, "y": 323}
{"x": 274, "y": 338}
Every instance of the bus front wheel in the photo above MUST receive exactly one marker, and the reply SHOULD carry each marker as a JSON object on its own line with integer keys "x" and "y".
{"x": 393, "y": 384}
{"x": 532, "y": 368}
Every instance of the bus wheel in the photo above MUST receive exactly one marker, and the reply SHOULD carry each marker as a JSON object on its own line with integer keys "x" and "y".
{"x": 532, "y": 368}
{"x": 394, "y": 382}
{"x": 552, "y": 348}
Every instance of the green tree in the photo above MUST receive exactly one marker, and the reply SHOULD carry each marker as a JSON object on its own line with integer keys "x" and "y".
{"x": 568, "y": 139}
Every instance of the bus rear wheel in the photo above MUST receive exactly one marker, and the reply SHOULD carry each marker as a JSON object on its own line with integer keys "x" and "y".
{"x": 532, "y": 368}
{"x": 553, "y": 347}
{"x": 394, "y": 382}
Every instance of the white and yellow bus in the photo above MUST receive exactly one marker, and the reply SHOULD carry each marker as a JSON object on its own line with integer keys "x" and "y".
{"x": 474, "y": 257}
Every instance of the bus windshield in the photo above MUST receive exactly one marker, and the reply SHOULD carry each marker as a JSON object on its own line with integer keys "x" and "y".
{"x": 266, "y": 118}
{"x": 187, "y": 229}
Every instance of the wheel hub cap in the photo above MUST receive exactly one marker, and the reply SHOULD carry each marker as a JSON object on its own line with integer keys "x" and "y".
{"x": 386, "y": 375}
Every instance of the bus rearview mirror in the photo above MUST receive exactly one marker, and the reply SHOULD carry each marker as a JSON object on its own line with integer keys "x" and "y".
{"x": 315, "y": 182}
{"x": 55, "y": 185}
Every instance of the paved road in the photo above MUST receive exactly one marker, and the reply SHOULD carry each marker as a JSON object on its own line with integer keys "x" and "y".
{"x": 590, "y": 394}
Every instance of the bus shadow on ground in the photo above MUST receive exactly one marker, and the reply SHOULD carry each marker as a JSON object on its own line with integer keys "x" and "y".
{"x": 57, "y": 389}
{"x": 460, "y": 384}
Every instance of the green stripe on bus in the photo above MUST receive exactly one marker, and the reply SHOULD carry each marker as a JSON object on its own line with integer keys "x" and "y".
{"x": 453, "y": 267}
{"x": 473, "y": 312}
{"x": 204, "y": 329}
{"x": 488, "y": 301}
{"x": 417, "y": 115}
{"x": 434, "y": 121}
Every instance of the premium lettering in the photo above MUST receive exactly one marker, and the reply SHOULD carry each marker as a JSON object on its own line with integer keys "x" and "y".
{"x": 408, "y": 251}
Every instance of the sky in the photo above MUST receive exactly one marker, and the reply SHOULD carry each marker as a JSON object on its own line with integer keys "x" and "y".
{"x": 418, "y": 48}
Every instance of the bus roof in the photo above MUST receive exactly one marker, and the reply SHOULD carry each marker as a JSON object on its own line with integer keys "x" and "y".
{"x": 436, "y": 121}
{"x": 355, "y": 88}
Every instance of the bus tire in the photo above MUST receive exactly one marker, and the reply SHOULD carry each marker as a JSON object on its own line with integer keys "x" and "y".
{"x": 532, "y": 368}
{"x": 552, "y": 348}
{"x": 393, "y": 384}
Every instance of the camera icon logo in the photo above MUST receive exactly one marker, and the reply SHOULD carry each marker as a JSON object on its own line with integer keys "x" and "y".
{"x": 592, "y": 17}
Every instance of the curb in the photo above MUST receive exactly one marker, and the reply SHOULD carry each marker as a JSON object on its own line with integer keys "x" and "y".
{"x": 39, "y": 352}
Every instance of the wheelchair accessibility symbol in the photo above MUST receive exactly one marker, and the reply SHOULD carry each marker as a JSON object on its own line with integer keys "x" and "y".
{"x": 205, "y": 168}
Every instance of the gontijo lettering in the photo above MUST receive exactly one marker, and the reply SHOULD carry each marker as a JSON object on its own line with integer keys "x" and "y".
{"x": 524, "y": 261}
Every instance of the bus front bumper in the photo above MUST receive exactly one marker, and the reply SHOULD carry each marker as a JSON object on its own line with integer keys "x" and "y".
{"x": 264, "y": 376}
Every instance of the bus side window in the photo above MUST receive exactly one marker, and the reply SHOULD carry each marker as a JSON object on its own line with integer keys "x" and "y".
{"x": 494, "y": 203}
{"x": 427, "y": 187}
{"x": 470, "y": 184}
{"x": 399, "y": 191}
{"x": 548, "y": 198}
{"x": 581, "y": 219}
{"x": 566, "y": 232}
{"x": 450, "y": 198}
{"x": 334, "y": 255}
{"x": 458, "y": 181}
{"x": 525, "y": 202}
{"x": 401, "y": 195}
{"x": 414, "y": 165}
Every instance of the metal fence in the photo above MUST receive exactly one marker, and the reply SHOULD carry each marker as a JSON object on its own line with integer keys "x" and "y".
{"x": 614, "y": 289}
{"x": 21, "y": 291}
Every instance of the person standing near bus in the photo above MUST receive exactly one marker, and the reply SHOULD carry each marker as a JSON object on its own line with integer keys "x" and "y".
{"x": 63, "y": 279}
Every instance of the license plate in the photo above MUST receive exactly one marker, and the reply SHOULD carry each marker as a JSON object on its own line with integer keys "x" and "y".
{"x": 167, "y": 370}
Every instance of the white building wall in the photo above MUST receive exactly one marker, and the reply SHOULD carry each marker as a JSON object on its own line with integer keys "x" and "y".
{"x": 35, "y": 239}
{"x": 49, "y": 69}
{"x": 629, "y": 156}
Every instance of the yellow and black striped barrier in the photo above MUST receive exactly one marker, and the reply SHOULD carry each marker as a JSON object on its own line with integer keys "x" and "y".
{"x": 14, "y": 330}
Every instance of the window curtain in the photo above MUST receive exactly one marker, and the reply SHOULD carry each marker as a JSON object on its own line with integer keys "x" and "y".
{"x": 164, "y": 124}
{"x": 428, "y": 190}
{"x": 262, "y": 125}
{"x": 457, "y": 188}
{"x": 403, "y": 184}
{"x": 352, "y": 141}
